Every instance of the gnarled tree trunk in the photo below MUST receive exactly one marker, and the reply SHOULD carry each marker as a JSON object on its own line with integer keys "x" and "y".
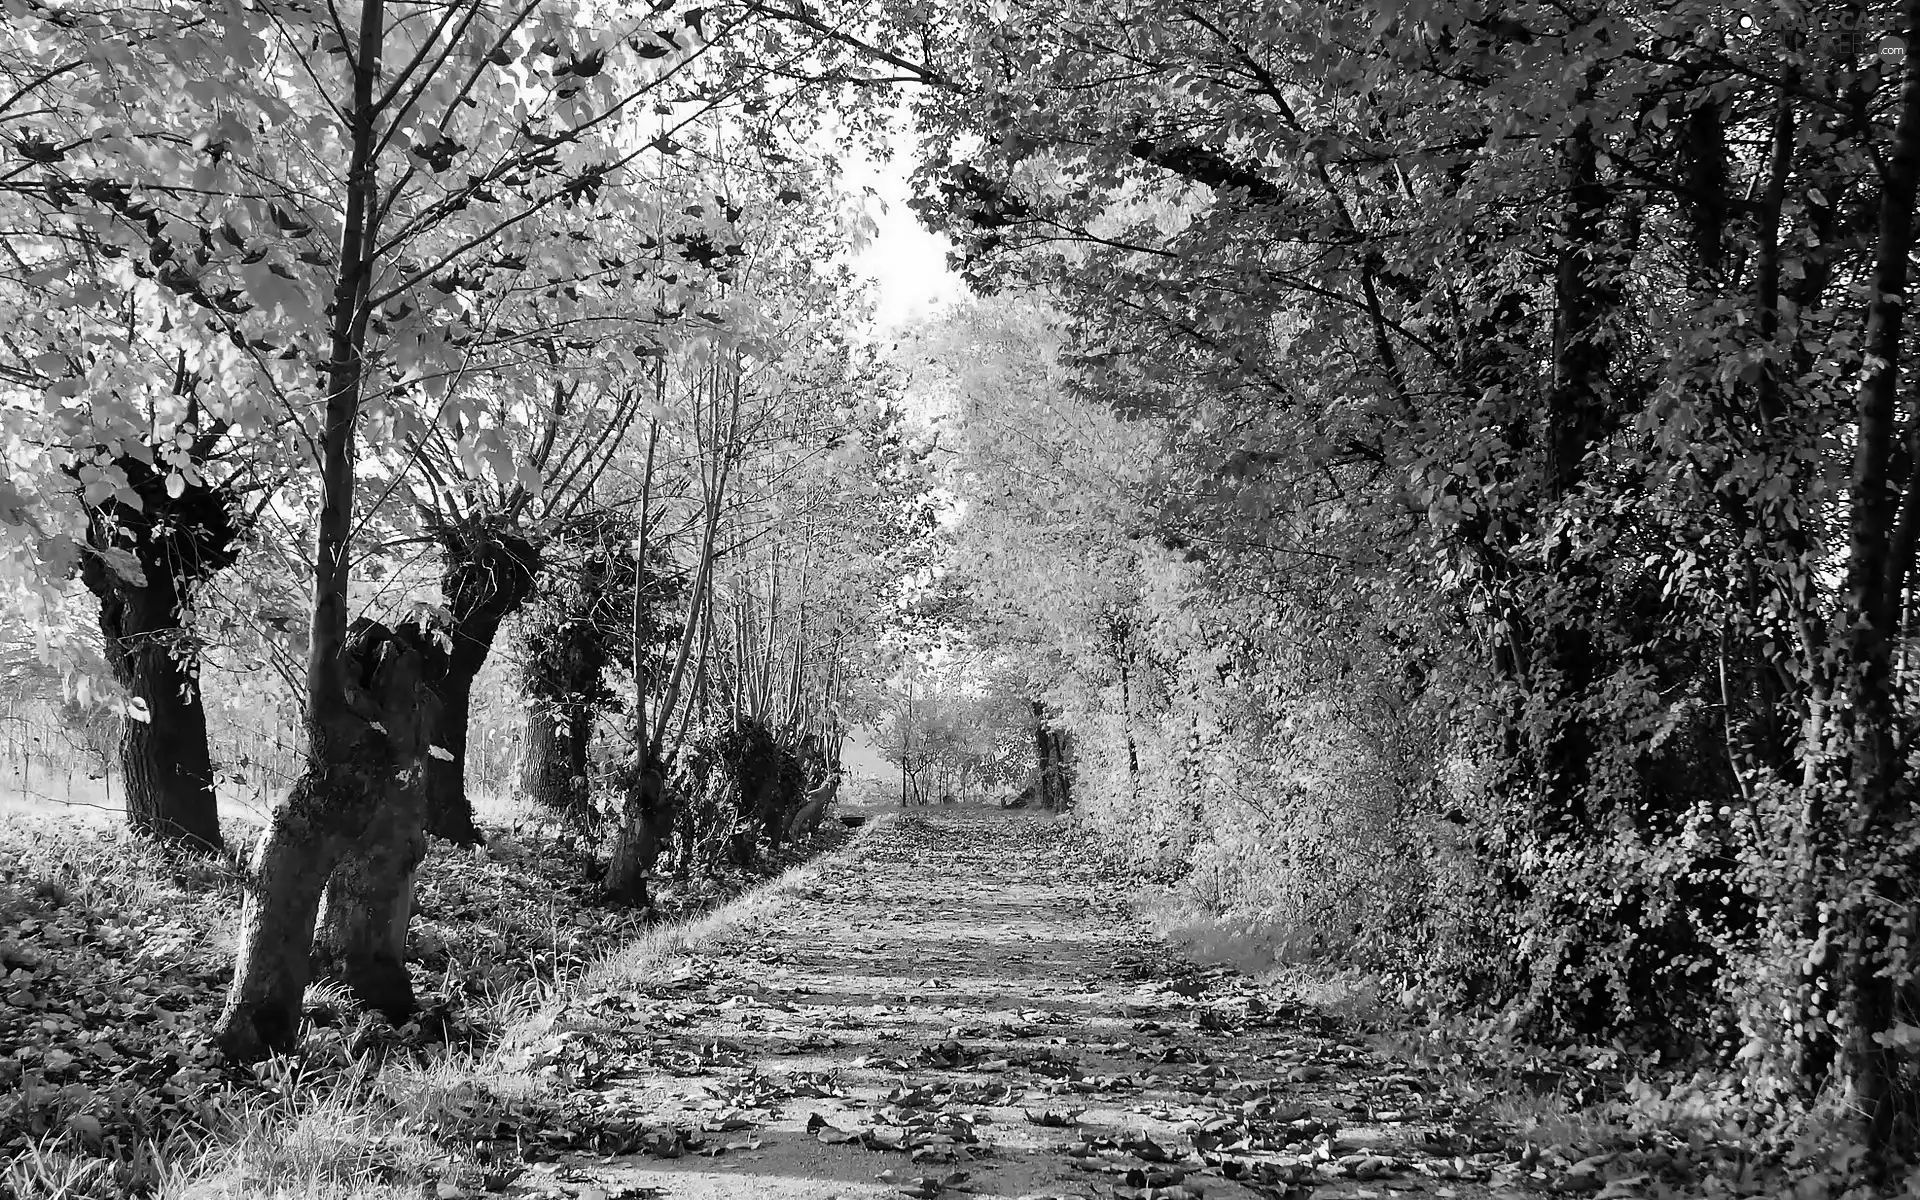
{"x": 361, "y": 937}
{"x": 175, "y": 542}
{"x": 489, "y": 574}
{"x": 360, "y": 801}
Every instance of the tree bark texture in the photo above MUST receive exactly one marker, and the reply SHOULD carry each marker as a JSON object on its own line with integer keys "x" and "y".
{"x": 360, "y": 802}
{"x": 489, "y": 574}
{"x": 645, "y": 822}
{"x": 554, "y": 773}
{"x": 543, "y": 772}
{"x": 177, "y": 542}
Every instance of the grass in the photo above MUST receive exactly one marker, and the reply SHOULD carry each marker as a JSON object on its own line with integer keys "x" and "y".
{"x": 383, "y": 1141}
{"x": 652, "y": 958}
{"x": 107, "y": 1085}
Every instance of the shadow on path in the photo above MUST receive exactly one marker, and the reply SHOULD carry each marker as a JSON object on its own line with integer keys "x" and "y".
{"x": 920, "y": 1006}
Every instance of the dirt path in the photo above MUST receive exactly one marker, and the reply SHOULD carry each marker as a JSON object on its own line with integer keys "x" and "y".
{"x": 963, "y": 1006}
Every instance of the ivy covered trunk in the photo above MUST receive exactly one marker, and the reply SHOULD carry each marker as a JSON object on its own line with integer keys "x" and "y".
{"x": 645, "y": 822}
{"x": 554, "y": 772}
{"x": 581, "y": 625}
{"x": 489, "y": 574}
{"x": 142, "y": 566}
{"x": 359, "y": 806}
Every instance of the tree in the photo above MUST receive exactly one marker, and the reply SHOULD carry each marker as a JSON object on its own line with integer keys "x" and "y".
{"x": 1535, "y": 325}
{"x": 402, "y": 167}
{"x": 143, "y": 564}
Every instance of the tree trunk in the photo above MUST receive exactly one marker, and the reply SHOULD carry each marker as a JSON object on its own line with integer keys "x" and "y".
{"x": 165, "y": 765}
{"x": 645, "y": 821}
{"x": 1043, "y": 757}
{"x": 1124, "y": 654}
{"x": 449, "y": 812}
{"x": 360, "y": 799}
{"x": 489, "y": 574}
{"x": 1062, "y": 788}
{"x": 362, "y": 682}
{"x": 176, "y": 541}
{"x": 1576, "y": 408}
{"x": 1872, "y": 893}
{"x": 543, "y": 772}
{"x": 362, "y": 934}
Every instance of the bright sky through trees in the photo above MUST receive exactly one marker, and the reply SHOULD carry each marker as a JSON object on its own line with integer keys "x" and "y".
{"x": 908, "y": 263}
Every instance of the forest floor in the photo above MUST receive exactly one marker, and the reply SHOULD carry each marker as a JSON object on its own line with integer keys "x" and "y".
{"x": 963, "y": 1006}
{"x": 957, "y": 1002}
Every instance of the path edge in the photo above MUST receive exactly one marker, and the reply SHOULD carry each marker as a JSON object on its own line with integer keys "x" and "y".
{"x": 651, "y": 958}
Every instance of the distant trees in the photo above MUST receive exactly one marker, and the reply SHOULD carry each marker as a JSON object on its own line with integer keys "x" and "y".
{"x": 950, "y": 739}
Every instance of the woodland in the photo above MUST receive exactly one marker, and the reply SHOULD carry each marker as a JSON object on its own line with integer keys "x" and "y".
{"x": 1432, "y": 486}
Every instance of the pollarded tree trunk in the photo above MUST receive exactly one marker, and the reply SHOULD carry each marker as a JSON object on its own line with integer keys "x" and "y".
{"x": 644, "y": 824}
{"x": 361, "y": 937}
{"x": 489, "y": 574}
{"x": 164, "y": 760}
{"x": 175, "y": 542}
{"x": 449, "y": 809}
{"x": 361, "y": 796}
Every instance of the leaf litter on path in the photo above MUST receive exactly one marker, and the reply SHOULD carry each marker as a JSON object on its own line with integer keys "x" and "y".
{"x": 1179, "y": 1082}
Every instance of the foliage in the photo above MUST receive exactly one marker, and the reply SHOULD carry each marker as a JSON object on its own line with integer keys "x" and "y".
{"x": 739, "y": 786}
{"x": 950, "y": 743}
{"x": 1546, "y": 357}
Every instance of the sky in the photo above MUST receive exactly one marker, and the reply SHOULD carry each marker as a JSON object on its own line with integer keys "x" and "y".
{"x": 909, "y": 267}
{"x": 907, "y": 262}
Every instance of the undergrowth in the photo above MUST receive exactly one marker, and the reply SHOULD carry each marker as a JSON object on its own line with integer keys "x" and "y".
{"x": 1633, "y": 1121}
